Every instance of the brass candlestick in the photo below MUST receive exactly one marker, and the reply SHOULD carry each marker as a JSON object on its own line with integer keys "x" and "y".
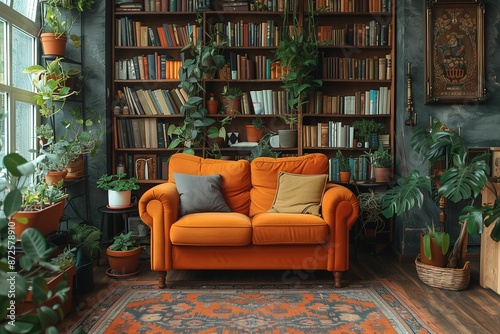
{"x": 412, "y": 115}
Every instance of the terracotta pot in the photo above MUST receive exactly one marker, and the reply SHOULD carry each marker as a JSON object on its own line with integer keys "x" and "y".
{"x": 53, "y": 177}
{"x": 53, "y": 46}
{"x": 46, "y": 220}
{"x": 124, "y": 262}
{"x": 76, "y": 169}
{"x": 438, "y": 259}
{"x": 254, "y": 134}
{"x": 52, "y": 283}
{"x": 212, "y": 107}
{"x": 232, "y": 106}
{"x": 344, "y": 177}
{"x": 382, "y": 174}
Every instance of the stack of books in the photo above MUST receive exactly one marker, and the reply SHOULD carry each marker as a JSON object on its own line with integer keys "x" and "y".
{"x": 128, "y": 5}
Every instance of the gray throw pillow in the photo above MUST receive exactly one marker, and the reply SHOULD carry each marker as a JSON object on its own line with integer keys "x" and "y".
{"x": 200, "y": 193}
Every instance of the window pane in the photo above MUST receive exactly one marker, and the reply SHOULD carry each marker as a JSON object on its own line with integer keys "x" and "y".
{"x": 3, "y": 40}
{"x": 23, "y": 44}
{"x": 26, "y": 8}
{"x": 3, "y": 110}
{"x": 25, "y": 118}
{"x": 6, "y": 2}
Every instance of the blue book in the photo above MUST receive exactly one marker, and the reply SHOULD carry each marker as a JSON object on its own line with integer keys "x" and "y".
{"x": 152, "y": 66}
{"x": 167, "y": 33}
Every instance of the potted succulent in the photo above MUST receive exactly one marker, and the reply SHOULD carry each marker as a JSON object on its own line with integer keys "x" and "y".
{"x": 124, "y": 255}
{"x": 231, "y": 100}
{"x": 53, "y": 84}
{"x": 288, "y": 137}
{"x": 255, "y": 131}
{"x": 344, "y": 167}
{"x": 460, "y": 179}
{"x": 119, "y": 189}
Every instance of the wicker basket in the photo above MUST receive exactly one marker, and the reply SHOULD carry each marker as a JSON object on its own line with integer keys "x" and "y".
{"x": 444, "y": 278}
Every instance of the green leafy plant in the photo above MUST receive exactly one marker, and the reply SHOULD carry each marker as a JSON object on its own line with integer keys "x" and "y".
{"x": 232, "y": 93}
{"x": 39, "y": 196}
{"x": 366, "y": 127}
{"x": 258, "y": 123}
{"x": 298, "y": 56}
{"x": 65, "y": 259}
{"x": 441, "y": 238}
{"x": 123, "y": 242}
{"x": 117, "y": 182}
{"x": 52, "y": 85}
{"x": 263, "y": 148}
{"x": 344, "y": 165}
{"x": 86, "y": 238}
{"x": 380, "y": 158}
{"x": 290, "y": 120}
{"x": 462, "y": 178}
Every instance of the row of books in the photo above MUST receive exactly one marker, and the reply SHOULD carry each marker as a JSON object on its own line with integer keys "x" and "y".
{"x": 272, "y": 102}
{"x": 328, "y": 134}
{"x": 134, "y": 33}
{"x": 376, "y": 68}
{"x": 356, "y": 34}
{"x": 369, "y": 102}
{"x": 142, "y": 133}
{"x": 354, "y": 6}
{"x": 159, "y": 6}
{"x": 148, "y": 67}
{"x": 154, "y": 102}
{"x": 260, "y": 67}
{"x": 358, "y": 165}
{"x": 240, "y": 33}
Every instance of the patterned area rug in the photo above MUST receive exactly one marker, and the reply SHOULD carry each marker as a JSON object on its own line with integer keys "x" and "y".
{"x": 364, "y": 307}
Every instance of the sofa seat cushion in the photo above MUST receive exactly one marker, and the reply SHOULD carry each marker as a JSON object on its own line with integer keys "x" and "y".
{"x": 291, "y": 229}
{"x": 212, "y": 229}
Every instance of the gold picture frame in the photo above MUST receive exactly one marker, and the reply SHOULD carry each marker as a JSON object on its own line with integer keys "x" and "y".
{"x": 454, "y": 51}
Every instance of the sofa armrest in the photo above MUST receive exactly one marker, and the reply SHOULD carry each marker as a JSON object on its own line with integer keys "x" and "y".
{"x": 159, "y": 209}
{"x": 340, "y": 210}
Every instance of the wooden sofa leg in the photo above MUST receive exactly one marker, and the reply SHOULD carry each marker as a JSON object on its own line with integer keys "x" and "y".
{"x": 338, "y": 279}
{"x": 162, "y": 279}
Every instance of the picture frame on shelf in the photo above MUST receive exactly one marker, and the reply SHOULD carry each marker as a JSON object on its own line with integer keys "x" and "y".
{"x": 454, "y": 52}
{"x": 145, "y": 166}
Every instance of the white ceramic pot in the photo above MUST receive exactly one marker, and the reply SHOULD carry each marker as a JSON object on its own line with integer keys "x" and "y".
{"x": 119, "y": 199}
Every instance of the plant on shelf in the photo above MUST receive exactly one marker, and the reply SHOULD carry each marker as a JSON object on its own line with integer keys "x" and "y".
{"x": 380, "y": 163}
{"x": 365, "y": 128}
{"x": 290, "y": 120}
{"x": 217, "y": 136}
{"x": 382, "y": 158}
{"x": 458, "y": 177}
{"x": 53, "y": 85}
{"x": 124, "y": 254}
{"x": 343, "y": 162}
{"x": 59, "y": 20}
{"x": 231, "y": 99}
{"x": 263, "y": 148}
{"x": 119, "y": 189}
{"x": 298, "y": 56}
{"x": 256, "y": 130}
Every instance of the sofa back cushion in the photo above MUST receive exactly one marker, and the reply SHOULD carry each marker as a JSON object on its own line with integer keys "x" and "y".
{"x": 265, "y": 173}
{"x": 235, "y": 177}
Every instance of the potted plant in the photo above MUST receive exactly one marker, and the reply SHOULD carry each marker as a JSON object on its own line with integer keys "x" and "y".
{"x": 42, "y": 207}
{"x": 119, "y": 189}
{"x": 459, "y": 179}
{"x": 124, "y": 255}
{"x": 217, "y": 136}
{"x": 370, "y": 213}
{"x": 53, "y": 85}
{"x": 86, "y": 240}
{"x": 57, "y": 155}
{"x": 58, "y": 23}
{"x": 380, "y": 163}
{"x": 231, "y": 100}
{"x": 212, "y": 105}
{"x": 255, "y": 131}
{"x": 288, "y": 137}
{"x": 344, "y": 167}
{"x": 263, "y": 149}
{"x": 367, "y": 131}
{"x": 297, "y": 53}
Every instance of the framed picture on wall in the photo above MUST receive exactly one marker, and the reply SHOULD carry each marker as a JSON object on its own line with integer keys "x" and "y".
{"x": 454, "y": 51}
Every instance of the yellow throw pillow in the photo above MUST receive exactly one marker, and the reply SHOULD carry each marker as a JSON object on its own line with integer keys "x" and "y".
{"x": 299, "y": 193}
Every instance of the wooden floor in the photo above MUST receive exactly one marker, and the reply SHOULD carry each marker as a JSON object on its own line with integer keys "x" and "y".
{"x": 474, "y": 310}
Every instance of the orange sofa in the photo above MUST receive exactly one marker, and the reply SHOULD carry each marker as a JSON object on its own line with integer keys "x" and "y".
{"x": 249, "y": 237}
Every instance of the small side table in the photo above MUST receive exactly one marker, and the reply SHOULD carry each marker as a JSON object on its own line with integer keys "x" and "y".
{"x": 107, "y": 212}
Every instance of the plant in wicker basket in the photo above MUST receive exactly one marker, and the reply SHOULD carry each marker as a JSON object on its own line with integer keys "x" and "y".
{"x": 458, "y": 178}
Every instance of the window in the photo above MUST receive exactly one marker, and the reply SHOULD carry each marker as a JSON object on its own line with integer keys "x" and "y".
{"x": 19, "y": 25}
